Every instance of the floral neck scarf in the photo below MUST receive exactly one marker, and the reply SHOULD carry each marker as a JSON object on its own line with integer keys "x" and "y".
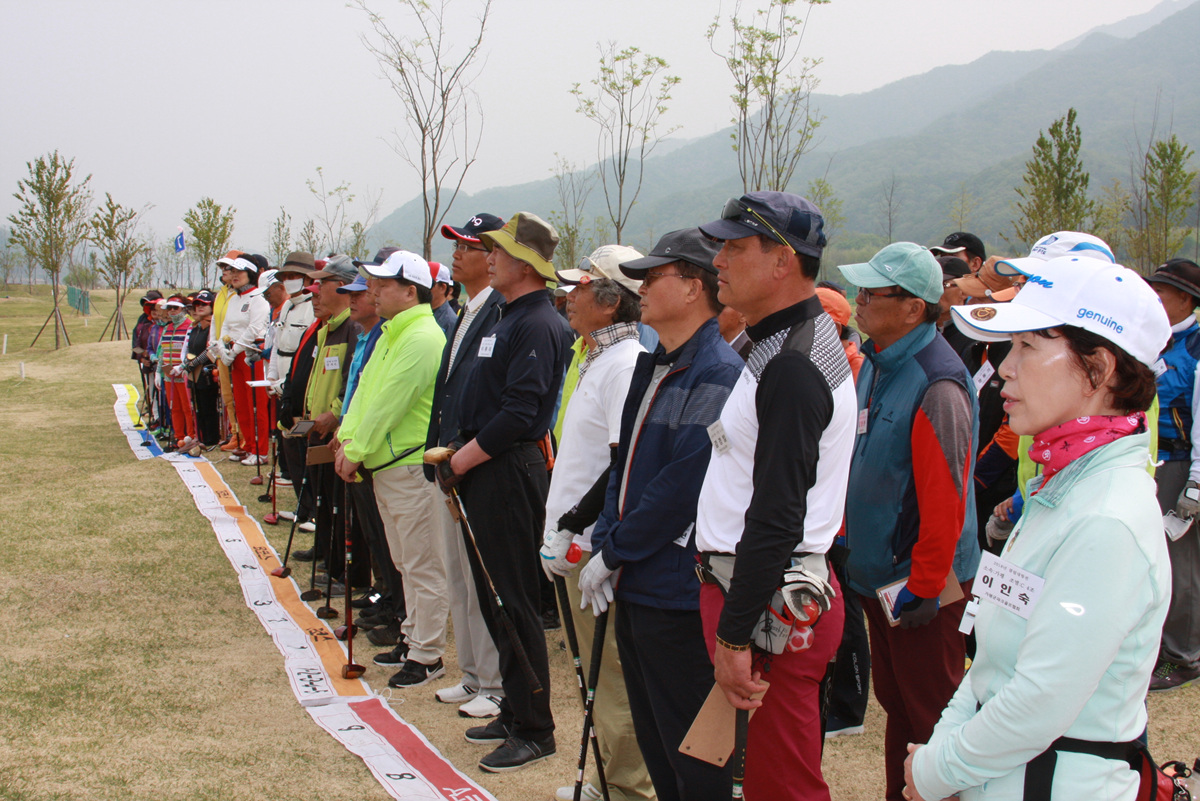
{"x": 1057, "y": 447}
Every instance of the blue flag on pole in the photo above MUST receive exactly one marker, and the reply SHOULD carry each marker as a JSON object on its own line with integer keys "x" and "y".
{"x": 179, "y": 246}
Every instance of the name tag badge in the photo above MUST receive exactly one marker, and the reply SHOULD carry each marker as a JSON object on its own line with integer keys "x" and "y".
{"x": 332, "y": 363}
{"x": 486, "y": 346}
{"x": 1004, "y": 584}
{"x": 862, "y": 421}
{"x": 720, "y": 442}
{"x": 981, "y": 377}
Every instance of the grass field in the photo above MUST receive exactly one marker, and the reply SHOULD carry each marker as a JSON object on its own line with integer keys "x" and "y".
{"x": 132, "y": 668}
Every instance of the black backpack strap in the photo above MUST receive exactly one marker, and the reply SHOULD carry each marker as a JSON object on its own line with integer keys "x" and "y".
{"x": 1039, "y": 773}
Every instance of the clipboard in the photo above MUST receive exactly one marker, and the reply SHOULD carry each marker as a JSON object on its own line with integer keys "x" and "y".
{"x": 710, "y": 738}
{"x": 887, "y": 595}
{"x": 300, "y": 429}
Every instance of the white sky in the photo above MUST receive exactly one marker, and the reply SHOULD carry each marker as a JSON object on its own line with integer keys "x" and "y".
{"x": 166, "y": 101}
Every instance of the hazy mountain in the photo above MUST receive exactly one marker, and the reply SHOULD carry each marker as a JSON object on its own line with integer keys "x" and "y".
{"x": 960, "y": 127}
{"x": 1131, "y": 26}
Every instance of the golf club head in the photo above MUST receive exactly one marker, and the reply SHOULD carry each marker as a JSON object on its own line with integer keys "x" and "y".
{"x": 340, "y": 632}
{"x": 271, "y": 518}
{"x": 311, "y": 595}
{"x": 352, "y": 671}
{"x": 326, "y": 612}
{"x": 265, "y": 497}
{"x": 256, "y": 481}
{"x": 195, "y": 452}
{"x": 282, "y": 572}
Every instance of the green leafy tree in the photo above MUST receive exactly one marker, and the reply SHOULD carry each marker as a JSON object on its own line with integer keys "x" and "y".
{"x": 962, "y": 207}
{"x": 1109, "y": 214}
{"x": 1054, "y": 194}
{"x": 281, "y": 237}
{"x": 113, "y": 230}
{"x": 442, "y": 115}
{"x": 212, "y": 230}
{"x": 51, "y": 222}
{"x": 627, "y": 101}
{"x": 1161, "y": 202}
{"x": 774, "y": 120}
{"x": 820, "y": 192}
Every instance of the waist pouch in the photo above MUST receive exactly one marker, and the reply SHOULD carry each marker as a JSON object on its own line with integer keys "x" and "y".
{"x": 774, "y": 625}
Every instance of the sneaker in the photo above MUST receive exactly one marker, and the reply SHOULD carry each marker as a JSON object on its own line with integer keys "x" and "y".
{"x": 493, "y": 732}
{"x": 286, "y": 515}
{"x": 458, "y": 694}
{"x": 385, "y": 635}
{"x": 280, "y": 481}
{"x": 590, "y": 793}
{"x": 394, "y": 657}
{"x": 308, "y": 527}
{"x": 516, "y": 753}
{"x": 835, "y": 727}
{"x": 1170, "y": 676}
{"x": 252, "y": 460}
{"x": 481, "y": 706}
{"x": 414, "y": 674}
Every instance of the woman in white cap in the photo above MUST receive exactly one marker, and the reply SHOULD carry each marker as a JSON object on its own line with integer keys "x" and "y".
{"x": 245, "y": 326}
{"x": 1068, "y": 618}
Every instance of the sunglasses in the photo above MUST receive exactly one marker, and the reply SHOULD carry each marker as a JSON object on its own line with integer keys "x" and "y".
{"x": 736, "y": 209}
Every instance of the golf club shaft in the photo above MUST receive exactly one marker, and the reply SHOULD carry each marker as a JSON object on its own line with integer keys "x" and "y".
{"x": 346, "y": 580}
{"x": 740, "y": 730}
{"x": 589, "y": 708}
{"x": 506, "y": 621}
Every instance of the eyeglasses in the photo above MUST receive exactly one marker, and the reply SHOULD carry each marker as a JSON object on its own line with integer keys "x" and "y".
{"x": 460, "y": 245}
{"x": 735, "y": 208}
{"x": 865, "y": 295}
{"x": 652, "y": 277}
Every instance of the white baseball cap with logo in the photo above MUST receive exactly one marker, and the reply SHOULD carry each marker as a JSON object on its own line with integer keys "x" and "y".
{"x": 1052, "y": 246}
{"x": 1108, "y": 300}
{"x": 401, "y": 264}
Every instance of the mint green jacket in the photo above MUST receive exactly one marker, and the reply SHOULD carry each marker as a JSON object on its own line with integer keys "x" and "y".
{"x": 392, "y": 401}
{"x": 1080, "y": 666}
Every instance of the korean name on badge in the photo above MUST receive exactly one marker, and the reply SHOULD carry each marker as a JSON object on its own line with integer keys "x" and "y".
{"x": 486, "y": 346}
{"x": 1004, "y": 584}
{"x": 332, "y": 363}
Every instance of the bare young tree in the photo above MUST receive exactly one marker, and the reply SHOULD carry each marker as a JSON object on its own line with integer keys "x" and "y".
{"x": 310, "y": 241}
{"x": 51, "y": 222}
{"x": 889, "y": 207}
{"x": 630, "y": 96}
{"x": 962, "y": 207}
{"x": 113, "y": 230}
{"x": 443, "y": 118}
{"x": 774, "y": 121}
{"x": 212, "y": 230}
{"x": 821, "y": 193}
{"x": 573, "y": 187}
{"x": 281, "y": 237}
{"x": 1109, "y": 213}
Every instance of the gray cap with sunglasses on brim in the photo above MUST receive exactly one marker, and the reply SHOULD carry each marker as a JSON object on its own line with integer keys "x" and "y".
{"x": 686, "y": 244}
{"x": 786, "y": 218}
{"x": 604, "y": 262}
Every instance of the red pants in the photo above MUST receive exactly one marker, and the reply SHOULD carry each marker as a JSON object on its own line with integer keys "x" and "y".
{"x": 183, "y": 420}
{"x": 252, "y": 406}
{"x": 915, "y": 671}
{"x": 783, "y": 743}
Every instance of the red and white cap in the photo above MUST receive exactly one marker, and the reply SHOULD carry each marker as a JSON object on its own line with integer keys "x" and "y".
{"x": 1108, "y": 300}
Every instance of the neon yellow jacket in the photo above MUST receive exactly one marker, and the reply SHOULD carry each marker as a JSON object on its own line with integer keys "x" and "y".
{"x": 570, "y": 381}
{"x": 395, "y": 392}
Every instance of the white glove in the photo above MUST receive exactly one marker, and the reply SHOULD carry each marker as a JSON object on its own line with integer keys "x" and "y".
{"x": 214, "y": 351}
{"x": 555, "y": 545}
{"x": 177, "y": 371}
{"x": 808, "y": 581}
{"x": 227, "y": 356}
{"x": 1188, "y": 505}
{"x": 596, "y": 582}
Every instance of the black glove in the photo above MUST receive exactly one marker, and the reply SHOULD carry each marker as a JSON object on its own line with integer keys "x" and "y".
{"x": 913, "y": 611}
{"x": 447, "y": 479}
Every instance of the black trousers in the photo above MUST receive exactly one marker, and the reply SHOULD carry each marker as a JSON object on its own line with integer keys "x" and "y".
{"x": 292, "y": 452}
{"x": 331, "y": 530}
{"x": 207, "y": 395}
{"x": 366, "y": 516}
{"x": 668, "y": 675}
{"x": 505, "y": 500}
{"x": 850, "y": 681}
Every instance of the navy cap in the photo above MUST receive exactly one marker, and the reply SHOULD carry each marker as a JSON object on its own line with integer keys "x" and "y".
{"x": 786, "y": 218}
{"x": 958, "y": 243}
{"x": 204, "y": 296}
{"x": 687, "y": 244}
{"x": 381, "y": 256}
{"x": 474, "y": 227}
{"x": 359, "y": 284}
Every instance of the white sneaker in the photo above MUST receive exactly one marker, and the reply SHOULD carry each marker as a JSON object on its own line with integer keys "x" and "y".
{"x": 252, "y": 460}
{"x": 481, "y": 706}
{"x": 307, "y": 526}
{"x": 285, "y": 515}
{"x": 456, "y": 694}
{"x": 590, "y": 793}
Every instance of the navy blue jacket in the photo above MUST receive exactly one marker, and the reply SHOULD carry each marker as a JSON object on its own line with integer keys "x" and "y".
{"x": 668, "y": 456}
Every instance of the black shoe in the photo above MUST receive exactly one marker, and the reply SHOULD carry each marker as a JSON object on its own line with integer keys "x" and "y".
{"x": 414, "y": 674}
{"x": 385, "y": 635}
{"x": 495, "y": 731}
{"x": 516, "y": 753}
{"x": 378, "y": 612}
{"x": 394, "y": 657}
{"x": 364, "y": 601}
{"x": 550, "y": 621}
{"x": 304, "y": 556}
